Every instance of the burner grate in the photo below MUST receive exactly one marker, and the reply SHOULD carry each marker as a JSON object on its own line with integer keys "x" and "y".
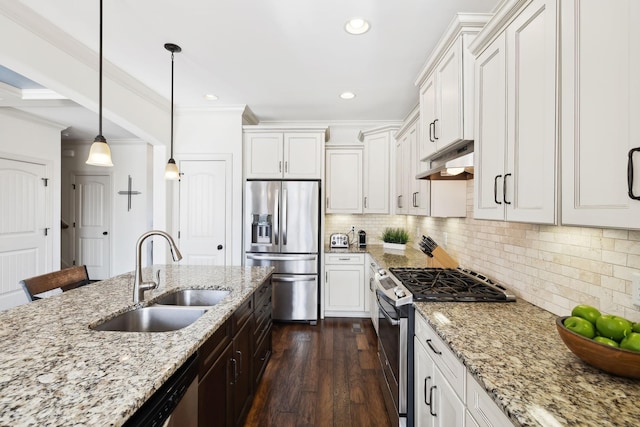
{"x": 444, "y": 284}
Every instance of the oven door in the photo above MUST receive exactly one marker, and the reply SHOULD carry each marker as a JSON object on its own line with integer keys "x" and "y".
{"x": 392, "y": 351}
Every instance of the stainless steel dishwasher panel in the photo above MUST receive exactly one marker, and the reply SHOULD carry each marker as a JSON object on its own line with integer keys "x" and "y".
{"x": 295, "y": 297}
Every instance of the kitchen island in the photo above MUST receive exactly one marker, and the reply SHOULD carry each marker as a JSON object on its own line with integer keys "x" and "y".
{"x": 57, "y": 371}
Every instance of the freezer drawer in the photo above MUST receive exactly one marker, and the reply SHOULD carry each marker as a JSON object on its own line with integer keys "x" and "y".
{"x": 284, "y": 264}
{"x": 295, "y": 297}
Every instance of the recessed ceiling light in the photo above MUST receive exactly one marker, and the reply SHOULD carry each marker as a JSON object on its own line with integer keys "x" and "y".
{"x": 357, "y": 26}
{"x": 210, "y": 97}
{"x": 347, "y": 95}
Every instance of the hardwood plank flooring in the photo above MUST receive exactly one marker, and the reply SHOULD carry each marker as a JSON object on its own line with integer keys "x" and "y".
{"x": 323, "y": 375}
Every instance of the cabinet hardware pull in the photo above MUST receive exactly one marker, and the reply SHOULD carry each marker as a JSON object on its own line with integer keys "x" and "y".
{"x": 235, "y": 370}
{"x": 240, "y": 354}
{"x": 365, "y": 203}
{"x": 400, "y": 202}
{"x": 280, "y": 166}
{"x": 426, "y": 380}
{"x": 266, "y": 356}
{"x": 286, "y": 166}
{"x": 504, "y": 189}
{"x": 432, "y": 403}
{"x": 433, "y": 348}
{"x": 46, "y": 231}
{"x": 434, "y": 130}
{"x": 630, "y": 174}
{"x": 495, "y": 189}
{"x": 431, "y": 125}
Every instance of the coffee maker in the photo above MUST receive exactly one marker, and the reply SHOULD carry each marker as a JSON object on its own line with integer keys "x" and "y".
{"x": 362, "y": 239}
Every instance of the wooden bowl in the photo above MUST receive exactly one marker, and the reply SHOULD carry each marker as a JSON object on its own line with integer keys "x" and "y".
{"x": 616, "y": 361}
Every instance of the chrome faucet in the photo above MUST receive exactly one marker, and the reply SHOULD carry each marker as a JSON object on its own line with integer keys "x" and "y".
{"x": 138, "y": 285}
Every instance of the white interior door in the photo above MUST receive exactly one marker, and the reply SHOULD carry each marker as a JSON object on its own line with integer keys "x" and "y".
{"x": 22, "y": 227}
{"x": 205, "y": 211}
{"x": 93, "y": 224}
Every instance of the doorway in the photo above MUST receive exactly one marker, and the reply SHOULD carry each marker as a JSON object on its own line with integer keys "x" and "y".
{"x": 23, "y": 228}
{"x": 92, "y": 224}
{"x": 205, "y": 211}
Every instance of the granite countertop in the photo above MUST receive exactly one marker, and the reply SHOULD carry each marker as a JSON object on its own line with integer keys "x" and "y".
{"x": 515, "y": 352}
{"x": 411, "y": 257}
{"x": 56, "y": 371}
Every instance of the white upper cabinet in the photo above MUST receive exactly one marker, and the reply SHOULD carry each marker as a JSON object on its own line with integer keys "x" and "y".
{"x": 344, "y": 181}
{"x": 600, "y": 113}
{"x": 446, "y": 88}
{"x": 516, "y": 116}
{"x": 283, "y": 153}
{"x": 376, "y": 173}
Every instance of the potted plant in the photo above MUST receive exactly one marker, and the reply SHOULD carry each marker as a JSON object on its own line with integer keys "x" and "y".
{"x": 395, "y": 238}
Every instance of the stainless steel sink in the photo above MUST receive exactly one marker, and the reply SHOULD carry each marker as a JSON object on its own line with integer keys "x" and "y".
{"x": 194, "y": 297}
{"x": 152, "y": 319}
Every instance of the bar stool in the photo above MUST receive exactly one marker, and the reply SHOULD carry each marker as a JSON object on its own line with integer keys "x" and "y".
{"x": 66, "y": 279}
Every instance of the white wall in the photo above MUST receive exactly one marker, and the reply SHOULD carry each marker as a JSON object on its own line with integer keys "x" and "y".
{"x": 199, "y": 132}
{"x": 129, "y": 158}
{"x": 26, "y": 138}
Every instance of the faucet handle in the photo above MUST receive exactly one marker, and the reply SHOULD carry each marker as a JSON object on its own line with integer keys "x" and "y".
{"x": 158, "y": 277}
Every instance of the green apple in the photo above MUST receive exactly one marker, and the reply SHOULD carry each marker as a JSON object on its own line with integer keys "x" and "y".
{"x": 636, "y": 327}
{"x": 613, "y": 327}
{"x": 631, "y": 342}
{"x": 580, "y": 326}
{"x": 607, "y": 341}
{"x": 586, "y": 312}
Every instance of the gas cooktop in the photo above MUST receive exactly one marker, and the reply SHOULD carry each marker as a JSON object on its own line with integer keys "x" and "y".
{"x": 450, "y": 284}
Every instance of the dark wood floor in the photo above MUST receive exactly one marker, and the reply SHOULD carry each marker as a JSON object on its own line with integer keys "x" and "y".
{"x": 323, "y": 375}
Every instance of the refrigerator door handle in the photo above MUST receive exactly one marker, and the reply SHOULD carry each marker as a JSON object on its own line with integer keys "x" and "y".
{"x": 282, "y": 258}
{"x": 284, "y": 217}
{"x": 276, "y": 219}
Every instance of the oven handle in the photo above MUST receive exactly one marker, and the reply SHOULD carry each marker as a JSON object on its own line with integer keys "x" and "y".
{"x": 393, "y": 322}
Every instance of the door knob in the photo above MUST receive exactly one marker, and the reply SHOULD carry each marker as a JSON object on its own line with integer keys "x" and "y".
{"x": 219, "y": 247}
{"x": 104, "y": 233}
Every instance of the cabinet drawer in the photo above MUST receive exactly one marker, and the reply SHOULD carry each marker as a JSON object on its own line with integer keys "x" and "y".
{"x": 262, "y": 320}
{"x": 450, "y": 366}
{"x": 262, "y": 294}
{"x": 241, "y": 315}
{"x": 261, "y": 356}
{"x": 214, "y": 346}
{"x": 344, "y": 258}
{"x": 482, "y": 408}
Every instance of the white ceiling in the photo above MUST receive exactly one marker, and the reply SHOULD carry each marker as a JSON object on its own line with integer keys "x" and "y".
{"x": 288, "y": 60}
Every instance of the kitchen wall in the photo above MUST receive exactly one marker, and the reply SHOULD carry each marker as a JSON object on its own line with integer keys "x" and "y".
{"x": 554, "y": 267}
{"x": 372, "y": 224}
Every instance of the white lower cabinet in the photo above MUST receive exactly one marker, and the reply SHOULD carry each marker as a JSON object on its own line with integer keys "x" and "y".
{"x": 344, "y": 286}
{"x": 445, "y": 394}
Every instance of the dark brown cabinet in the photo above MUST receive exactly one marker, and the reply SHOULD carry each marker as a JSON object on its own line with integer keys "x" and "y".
{"x": 232, "y": 361}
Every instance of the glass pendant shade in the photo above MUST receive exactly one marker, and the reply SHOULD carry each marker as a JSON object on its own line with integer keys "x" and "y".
{"x": 100, "y": 153}
{"x": 171, "y": 171}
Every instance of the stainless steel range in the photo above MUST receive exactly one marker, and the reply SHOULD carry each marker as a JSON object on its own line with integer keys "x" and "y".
{"x": 396, "y": 291}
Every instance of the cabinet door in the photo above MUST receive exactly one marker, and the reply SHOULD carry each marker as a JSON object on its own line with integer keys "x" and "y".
{"x": 418, "y": 188}
{"x": 447, "y": 406}
{"x": 400, "y": 202}
{"x": 423, "y": 383}
{"x": 531, "y": 114}
{"x": 242, "y": 384}
{"x": 601, "y": 107}
{"x": 448, "y": 75}
{"x": 376, "y": 174}
{"x": 215, "y": 402}
{"x": 344, "y": 181}
{"x": 427, "y": 118}
{"x": 302, "y": 156}
{"x": 491, "y": 131}
{"x": 263, "y": 155}
{"x": 344, "y": 288}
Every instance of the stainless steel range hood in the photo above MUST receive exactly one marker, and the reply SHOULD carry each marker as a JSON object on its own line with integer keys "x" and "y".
{"x": 456, "y": 163}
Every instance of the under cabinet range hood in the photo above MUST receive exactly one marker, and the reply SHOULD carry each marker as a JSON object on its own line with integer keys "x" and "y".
{"x": 456, "y": 163}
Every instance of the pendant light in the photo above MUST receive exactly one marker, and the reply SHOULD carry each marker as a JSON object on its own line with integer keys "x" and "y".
{"x": 171, "y": 170}
{"x": 100, "y": 154}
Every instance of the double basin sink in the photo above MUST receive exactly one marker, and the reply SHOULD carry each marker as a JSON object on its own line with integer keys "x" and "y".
{"x": 170, "y": 312}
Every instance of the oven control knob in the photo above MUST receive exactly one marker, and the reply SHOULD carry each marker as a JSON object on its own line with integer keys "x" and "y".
{"x": 400, "y": 293}
{"x": 382, "y": 272}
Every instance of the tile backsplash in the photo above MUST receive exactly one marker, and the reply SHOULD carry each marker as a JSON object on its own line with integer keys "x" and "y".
{"x": 553, "y": 267}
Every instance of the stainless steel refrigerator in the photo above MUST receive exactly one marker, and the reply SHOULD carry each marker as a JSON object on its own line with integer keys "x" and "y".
{"x": 281, "y": 229}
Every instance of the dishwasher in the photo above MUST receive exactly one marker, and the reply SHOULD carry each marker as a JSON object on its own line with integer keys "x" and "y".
{"x": 175, "y": 404}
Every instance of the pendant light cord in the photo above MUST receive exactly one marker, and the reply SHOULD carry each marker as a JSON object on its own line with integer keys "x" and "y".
{"x": 171, "y": 105}
{"x": 100, "y": 79}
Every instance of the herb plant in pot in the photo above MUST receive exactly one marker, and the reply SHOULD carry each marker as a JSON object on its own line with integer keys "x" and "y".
{"x": 395, "y": 239}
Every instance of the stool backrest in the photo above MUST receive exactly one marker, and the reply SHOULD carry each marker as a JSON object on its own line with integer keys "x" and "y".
{"x": 66, "y": 279}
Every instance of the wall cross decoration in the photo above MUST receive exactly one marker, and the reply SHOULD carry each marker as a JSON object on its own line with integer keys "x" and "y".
{"x": 129, "y": 192}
